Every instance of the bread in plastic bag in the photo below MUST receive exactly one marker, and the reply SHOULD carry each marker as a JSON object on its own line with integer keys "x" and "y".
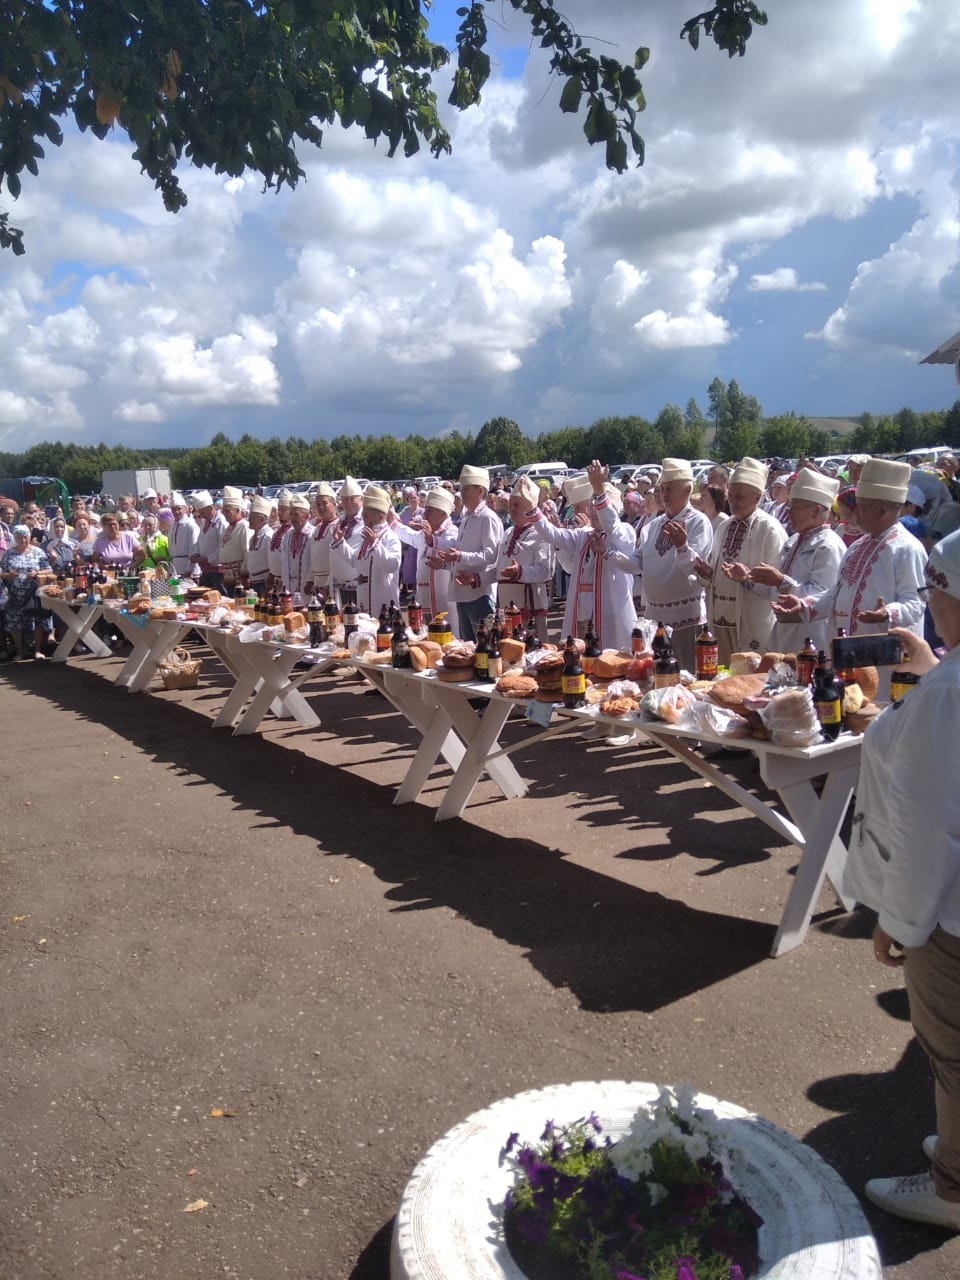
{"x": 668, "y": 704}
{"x": 704, "y": 716}
{"x": 791, "y": 719}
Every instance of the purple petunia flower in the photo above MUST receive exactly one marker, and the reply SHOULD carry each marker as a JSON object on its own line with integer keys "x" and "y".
{"x": 626, "y": 1275}
{"x": 685, "y": 1269}
{"x": 735, "y": 1273}
{"x": 548, "y": 1131}
{"x": 511, "y": 1143}
{"x": 594, "y": 1123}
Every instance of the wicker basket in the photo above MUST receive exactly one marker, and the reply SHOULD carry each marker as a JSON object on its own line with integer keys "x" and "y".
{"x": 179, "y": 670}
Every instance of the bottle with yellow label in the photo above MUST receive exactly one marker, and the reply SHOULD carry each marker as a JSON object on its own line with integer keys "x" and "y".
{"x": 439, "y": 630}
{"x": 902, "y": 683}
{"x": 828, "y": 698}
{"x": 573, "y": 681}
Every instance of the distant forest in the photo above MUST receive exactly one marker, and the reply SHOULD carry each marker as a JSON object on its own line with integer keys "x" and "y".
{"x": 732, "y": 425}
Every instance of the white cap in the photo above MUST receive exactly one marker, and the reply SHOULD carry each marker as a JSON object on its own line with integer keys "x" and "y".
{"x": 350, "y": 489}
{"x": 202, "y": 498}
{"x": 811, "y": 486}
{"x": 324, "y": 490}
{"x": 750, "y": 471}
{"x": 148, "y": 493}
{"x": 613, "y": 493}
{"x": 528, "y": 491}
{"x": 440, "y": 500}
{"x": 475, "y": 475}
{"x": 884, "y": 480}
{"x": 300, "y": 501}
{"x": 260, "y": 506}
{"x": 376, "y": 499}
{"x": 232, "y": 497}
{"x": 943, "y": 565}
{"x": 177, "y": 499}
{"x": 283, "y": 498}
{"x": 676, "y": 469}
{"x": 577, "y": 489}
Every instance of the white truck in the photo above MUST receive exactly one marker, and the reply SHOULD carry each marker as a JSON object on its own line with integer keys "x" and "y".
{"x": 115, "y": 483}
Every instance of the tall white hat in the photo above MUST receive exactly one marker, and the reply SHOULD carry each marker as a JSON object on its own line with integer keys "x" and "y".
{"x": 260, "y": 506}
{"x": 750, "y": 471}
{"x": 299, "y": 502}
{"x": 440, "y": 500}
{"x": 232, "y": 496}
{"x": 676, "y": 469}
{"x": 577, "y": 489}
{"x": 324, "y": 490}
{"x": 202, "y": 498}
{"x": 811, "y": 486}
{"x": 885, "y": 480}
{"x": 475, "y": 475}
{"x": 283, "y": 498}
{"x": 177, "y": 499}
{"x": 377, "y": 499}
{"x": 350, "y": 489}
{"x": 528, "y": 491}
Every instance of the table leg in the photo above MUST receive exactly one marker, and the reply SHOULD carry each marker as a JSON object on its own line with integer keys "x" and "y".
{"x": 79, "y": 624}
{"x": 277, "y": 691}
{"x": 822, "y": 852}
{"x": 437, "y": 740}
{"x": 480, "y": 735}
{"x": 245, "y": 676}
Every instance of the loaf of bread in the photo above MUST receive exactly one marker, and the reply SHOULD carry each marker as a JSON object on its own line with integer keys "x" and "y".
{"x": 611, "y": 665}
{"x": 517, "y": 686}
{"x": 511, "y": 651}
{"x": 454, "y": 675}
{"x": 294, "y": 622}
{"x": 868, "y": 680}
{"x": 731, "y": 691}
{"x": 418, "y": 659}
{"x": 744, "y": 664}
{"x": 770, "y": 660}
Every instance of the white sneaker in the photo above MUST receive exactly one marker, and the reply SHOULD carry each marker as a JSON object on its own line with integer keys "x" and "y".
{"x": 914, "y": 1198}
{"x": 623, "y": 739}
{"x": 929, "y": 1146}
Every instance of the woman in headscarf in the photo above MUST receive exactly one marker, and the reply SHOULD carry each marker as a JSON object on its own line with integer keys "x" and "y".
{"x": 19, "y": 567}
{"x": 59, "y": 545}
{"x": 154, "y": 548}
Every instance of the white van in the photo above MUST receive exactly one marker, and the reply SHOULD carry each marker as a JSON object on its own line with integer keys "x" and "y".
{"x": 544, "y": 470}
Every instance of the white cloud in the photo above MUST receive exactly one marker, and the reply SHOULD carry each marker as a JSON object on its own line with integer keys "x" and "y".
{"x": 782, "y": 280}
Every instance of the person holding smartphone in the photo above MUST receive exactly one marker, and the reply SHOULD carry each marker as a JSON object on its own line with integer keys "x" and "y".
{"x": 904, "y": 862}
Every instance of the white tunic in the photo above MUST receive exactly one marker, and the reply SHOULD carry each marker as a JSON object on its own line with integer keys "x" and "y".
{"x": 233, "y": 546}
{"x": 352, "y": 528}
{"x": 295, "y": 558}
{"x": 904, "y": 858}
{"x": 810, "y": 562}
{"x": 478, "y": 542}
{"x": 256, "y": 560}
{"x": 606, "y": 597}
{"x": 182, "y": 541}
{"x": 742, "y": 605}
{"x": 433, "y": 585}
{"x": 375, "y": 569}
{"x": 320, "y": 553}
{"x": 535, "y": 558}
{"x": 889, "y": 568}
{"x": 669, "y": 595}
{"x": 208, "y": 540}
{"x": 273, "y": 554}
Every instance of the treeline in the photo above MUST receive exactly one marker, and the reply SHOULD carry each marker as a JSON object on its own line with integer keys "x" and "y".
{"x": 733, "y": 426}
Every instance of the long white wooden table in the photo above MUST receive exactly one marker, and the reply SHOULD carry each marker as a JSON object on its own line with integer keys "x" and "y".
{"x": 469, "y": 743}
{"x": 151, "y": 638}
{"x": 79, "y": 621}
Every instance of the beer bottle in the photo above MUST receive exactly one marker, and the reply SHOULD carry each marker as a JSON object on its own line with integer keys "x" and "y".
{"x": 660, "y": 641}
{"x": 384, "y": 630}
{"x": 573, "y": 681}
{"x": 495, "y": 665}
{"x": 239, "y": 597}
{"x": 806, "y": 663}
{"x": 666, "y": 669}
{"x": 481, "y": 656}
{"x": 331, "y": 615}
{"x": 399, "y": 645}
{"x": 531, "y": 640}
{"x": 636, "y": 640}
{"x": 286, "y": 601}
{"x": 512, "y": 617}
{"x": 844, "y": 671}
{"x": 828, "y": 698}
{"x": 415, "y": 614}
{"x": 707, "y": 654}
{"x": 315, "y": 622}
{"x": 591, "y": 651}
{"x": 350, "y": 627}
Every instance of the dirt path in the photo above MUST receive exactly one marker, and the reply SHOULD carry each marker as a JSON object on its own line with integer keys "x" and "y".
{"x": 193, "y": 922}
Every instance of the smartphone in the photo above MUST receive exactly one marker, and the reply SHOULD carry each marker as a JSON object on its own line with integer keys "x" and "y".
{"x": 866, "y": 651}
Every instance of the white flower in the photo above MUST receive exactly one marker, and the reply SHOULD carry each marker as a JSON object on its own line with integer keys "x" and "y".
{"x": 696, "y": 1146}
{"x": 657, "y": 1192}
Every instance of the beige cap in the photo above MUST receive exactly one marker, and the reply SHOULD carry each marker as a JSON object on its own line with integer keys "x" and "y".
{"x": 943, "y": 566}
{"x": 750, "y": 471}
{"x": 260, "y": 506}
{"x": 177, "y": 499}
{"x": 676, "y": 469}
{"x": 475, "y": 475}
{"x": 885, "y": 480}
{"x": 529, "y": 491}
{"x": 300, "y": 502}
{"x": 232, "y": 497}
{"x": 811, "y": 486}
{"x": 202, "y": 499}
{"x": 614, "y": 494}
{"x": 440, "y": 500}
{"x": 577, "y": 489}
{"x": 324, "y": 490}
{"x": 350, "y": 489}
{"x": 376, "y": 499}
{"x": 283, "y": 498}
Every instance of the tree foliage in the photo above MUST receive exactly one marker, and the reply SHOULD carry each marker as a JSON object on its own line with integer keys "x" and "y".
{"x": 239, "y": 85}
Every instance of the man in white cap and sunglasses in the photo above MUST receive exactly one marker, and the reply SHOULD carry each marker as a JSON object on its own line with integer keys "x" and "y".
{"x": 474, "y": 560}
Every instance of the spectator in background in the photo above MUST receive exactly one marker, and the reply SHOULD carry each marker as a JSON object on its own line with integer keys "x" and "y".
{"x": 59, "y": 546}
{"x": 115, "y": 548}
{"x": 714, "y": 505}
{"x": 83, "y": 537}
{"x": 19, "y": 567}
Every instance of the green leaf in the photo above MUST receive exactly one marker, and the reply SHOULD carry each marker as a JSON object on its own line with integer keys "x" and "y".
{"x": 570, "y": 98}
{"x": 617, "y": 154}
{"x": 641, "y": 58}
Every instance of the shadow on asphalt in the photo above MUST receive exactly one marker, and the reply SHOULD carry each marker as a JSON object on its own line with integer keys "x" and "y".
{"x": 612, "y": 944}
{"x": 882, "y": 1119}
{"x": 374, "y": 1262}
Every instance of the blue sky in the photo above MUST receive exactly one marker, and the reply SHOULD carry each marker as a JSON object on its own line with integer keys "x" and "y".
{"x": 795, "y": 227}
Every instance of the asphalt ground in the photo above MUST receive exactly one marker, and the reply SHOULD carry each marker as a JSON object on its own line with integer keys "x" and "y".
{"x": 194, "y": 924}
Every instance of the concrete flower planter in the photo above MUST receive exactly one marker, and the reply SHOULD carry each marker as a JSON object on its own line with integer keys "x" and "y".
{"x": 449, "y": 1225}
